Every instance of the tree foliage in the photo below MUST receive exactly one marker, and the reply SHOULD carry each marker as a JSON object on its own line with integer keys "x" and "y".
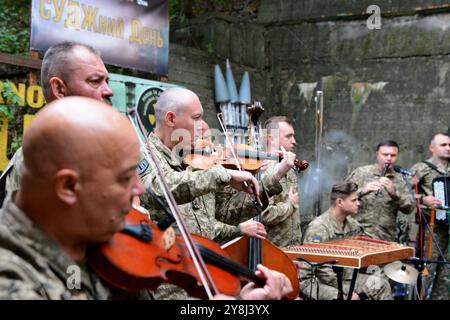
{"x": 15, "y": 26}
{"x": 182, "y": 10}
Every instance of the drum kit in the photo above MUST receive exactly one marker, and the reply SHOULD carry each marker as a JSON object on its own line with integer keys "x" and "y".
{"x": 401, "y": 272}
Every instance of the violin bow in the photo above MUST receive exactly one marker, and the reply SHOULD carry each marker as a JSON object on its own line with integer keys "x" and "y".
{"x": 221, "y": 119}
{"x": 204, "y": 274}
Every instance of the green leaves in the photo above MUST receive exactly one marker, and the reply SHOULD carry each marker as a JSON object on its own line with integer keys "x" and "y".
{"x": 9, "y": 111}
{"x": 10, "y": 95}
{"x": 14, "y": 26}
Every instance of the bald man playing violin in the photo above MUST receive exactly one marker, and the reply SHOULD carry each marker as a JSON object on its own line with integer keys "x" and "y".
{"x": 179, "y": 121}
{"x": 78, "y": 180}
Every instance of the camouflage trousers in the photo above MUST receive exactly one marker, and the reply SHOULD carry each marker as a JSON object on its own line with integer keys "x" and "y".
{"x": 373, "y": 283}
{"x": 406, "y": 229}
{"x": 437, "y": 274}
{"x": 168, "y": 291}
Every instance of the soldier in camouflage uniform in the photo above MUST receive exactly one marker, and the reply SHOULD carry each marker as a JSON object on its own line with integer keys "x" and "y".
{"x": 437, "y": 165}
{"x": 193, "y": 191}
{"x": 178, "y": 112}
{"x": 282, "y": 217}
{"x": 68, "y": 69}
{"x": 382, "y": 192}
{"x": 336, "y": 223}
{"x": 42, "y": 256}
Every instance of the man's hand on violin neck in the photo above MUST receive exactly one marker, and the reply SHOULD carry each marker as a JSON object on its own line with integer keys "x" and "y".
{"x": 285, "y": 165}
{"x": 244, "y": 181}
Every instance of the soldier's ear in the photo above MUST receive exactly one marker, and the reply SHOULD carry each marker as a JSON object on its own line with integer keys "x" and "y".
{"x": 431, "y": 147}
{"x": 67, "y": 184}
{"x": 169, "y": 119}
{"x": 58, "y": 88}
{"x": 269, "y": 139}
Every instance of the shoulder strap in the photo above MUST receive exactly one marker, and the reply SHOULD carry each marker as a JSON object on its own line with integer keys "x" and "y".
{"x": 3, "y": 184}
{"x": 435, "y": 168}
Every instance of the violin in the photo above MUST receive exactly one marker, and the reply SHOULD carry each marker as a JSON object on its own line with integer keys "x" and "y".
{"x": 142, "y": 256}
{"x": 205, "y": 155}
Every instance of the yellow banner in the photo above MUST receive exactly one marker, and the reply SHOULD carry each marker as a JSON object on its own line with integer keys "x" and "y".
{"x": 31, "y": 98}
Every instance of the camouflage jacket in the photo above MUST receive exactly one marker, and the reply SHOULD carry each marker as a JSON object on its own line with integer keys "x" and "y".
{"x": 33, "y": 266}
{"x": 10, "y": 178}
{"x": 325, "y": 228}
{"x": 233, "y": 207}
{"x": 378, "y": 212}
{"x": 425, "y": 175}
{"x": 195, "y": 193}
{"x": 282, "y": 216}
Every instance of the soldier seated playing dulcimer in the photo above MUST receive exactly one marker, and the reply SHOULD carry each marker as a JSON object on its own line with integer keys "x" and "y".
{"x": 321, "y": 282}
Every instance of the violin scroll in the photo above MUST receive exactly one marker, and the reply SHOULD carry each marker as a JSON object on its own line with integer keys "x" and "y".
{"x": 300, "y": 166}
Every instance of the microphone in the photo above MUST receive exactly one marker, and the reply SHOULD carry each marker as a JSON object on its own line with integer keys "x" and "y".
{"x": 404, "y": 171}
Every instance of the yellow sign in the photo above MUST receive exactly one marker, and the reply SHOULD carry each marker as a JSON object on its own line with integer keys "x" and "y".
{"x": 30, "y": 97}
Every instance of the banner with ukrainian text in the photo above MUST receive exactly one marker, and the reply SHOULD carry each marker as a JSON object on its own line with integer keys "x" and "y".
{"x": 128, "y": 33}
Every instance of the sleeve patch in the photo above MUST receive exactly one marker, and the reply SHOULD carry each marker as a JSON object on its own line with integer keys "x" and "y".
{"x": 142, "y": 166}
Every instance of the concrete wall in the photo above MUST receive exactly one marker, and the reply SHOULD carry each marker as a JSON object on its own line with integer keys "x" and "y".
{"x": 210, "y": 40}
{"x": 387, "y": 83}
{"x": 378, "y": 84}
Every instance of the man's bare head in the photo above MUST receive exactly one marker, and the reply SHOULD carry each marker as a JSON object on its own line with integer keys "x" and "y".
{"x": 74, "y": 69}
{"x": 440, "y": 146}
{"x": 173, "y": 100}
{"x": 79, "y": 175}
{"x": 280, "y": 133}
{"x": 179, "y": 117}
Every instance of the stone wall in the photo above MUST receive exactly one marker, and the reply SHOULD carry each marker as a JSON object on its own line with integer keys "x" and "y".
{"x": 387, "y": 83}
{"x": 194, "y": 69}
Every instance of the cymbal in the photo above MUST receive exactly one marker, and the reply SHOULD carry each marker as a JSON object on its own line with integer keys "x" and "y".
{"x": 401, "y": 272}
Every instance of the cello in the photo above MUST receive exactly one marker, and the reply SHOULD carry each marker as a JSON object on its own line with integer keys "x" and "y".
{"x": 252, "y": 251}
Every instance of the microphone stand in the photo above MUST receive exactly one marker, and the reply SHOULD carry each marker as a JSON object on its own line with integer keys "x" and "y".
{"x": 417, "y": 261}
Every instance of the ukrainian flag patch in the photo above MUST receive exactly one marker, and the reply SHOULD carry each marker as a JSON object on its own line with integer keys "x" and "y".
{"x": 142, "y": 166}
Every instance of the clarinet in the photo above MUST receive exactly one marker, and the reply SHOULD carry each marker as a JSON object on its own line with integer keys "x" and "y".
{"x": 383, "y": 173}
